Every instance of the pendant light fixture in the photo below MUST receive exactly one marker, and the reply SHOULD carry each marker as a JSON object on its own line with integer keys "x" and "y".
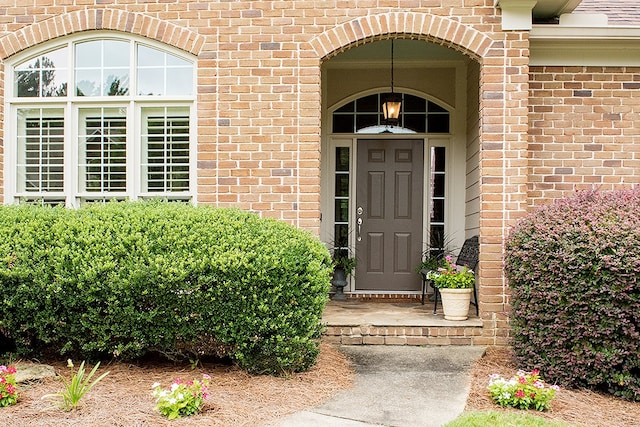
{"x": 391, "y": 106}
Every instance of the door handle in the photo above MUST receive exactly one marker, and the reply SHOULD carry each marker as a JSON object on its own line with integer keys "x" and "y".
{"x": 359, "y": 221}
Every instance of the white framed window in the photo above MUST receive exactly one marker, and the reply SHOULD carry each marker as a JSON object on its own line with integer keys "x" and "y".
{"x": 364, "y": 115}
{"x": 100, "y": 116}
{"x": 165, "y": 161}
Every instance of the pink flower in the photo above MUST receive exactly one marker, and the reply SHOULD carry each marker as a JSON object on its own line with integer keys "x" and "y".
{"x": 535, "y": 372}
{"x": 520, "y": 393}
{"x": 206, "y": 377}
{"x": 522, "y": 380}
{"x": 3, "y": 380}
{"x": 11, "y": 370}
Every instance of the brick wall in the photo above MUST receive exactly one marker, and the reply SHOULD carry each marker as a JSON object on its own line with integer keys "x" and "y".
{"x": 259, "y": 95}
{"x": 585, "y": 130}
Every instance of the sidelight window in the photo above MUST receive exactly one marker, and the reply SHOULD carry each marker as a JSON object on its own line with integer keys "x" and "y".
{"x": 436, "y": 200}
{"x": 341, "y": 199}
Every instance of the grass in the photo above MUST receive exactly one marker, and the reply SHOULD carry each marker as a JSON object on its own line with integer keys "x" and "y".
{"x": 502, "y": 419}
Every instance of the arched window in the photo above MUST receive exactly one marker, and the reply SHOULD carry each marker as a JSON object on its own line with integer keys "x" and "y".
{"x": 364, "y": 115}
{"x": 100, "y": 117}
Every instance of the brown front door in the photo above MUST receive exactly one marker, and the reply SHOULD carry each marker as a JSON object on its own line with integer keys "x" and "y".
{"x": 389, "y": 214}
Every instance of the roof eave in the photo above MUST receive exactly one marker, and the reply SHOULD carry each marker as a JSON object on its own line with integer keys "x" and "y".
{"x": 545, "y": 9}
{"x": 584, "y": 46}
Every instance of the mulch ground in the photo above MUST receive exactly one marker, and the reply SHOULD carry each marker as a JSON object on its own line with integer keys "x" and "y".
{"x": 123, "y": 398}
{"x": 576, "y": 407}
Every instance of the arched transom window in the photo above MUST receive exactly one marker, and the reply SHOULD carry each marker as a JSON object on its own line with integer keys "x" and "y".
{"x": 364, "y": 115}
{"x": 98, "y": 118}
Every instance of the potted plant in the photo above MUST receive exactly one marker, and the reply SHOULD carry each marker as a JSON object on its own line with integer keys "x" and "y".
{"x": 455, "y": 284}
{"x": 433, "y": 257}
{"x": 343, "y": 265}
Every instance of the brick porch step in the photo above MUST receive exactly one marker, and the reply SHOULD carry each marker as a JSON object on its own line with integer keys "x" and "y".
{"x": 354, "y": 322}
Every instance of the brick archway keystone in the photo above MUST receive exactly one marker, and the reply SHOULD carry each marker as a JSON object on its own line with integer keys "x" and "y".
{"x": 101, "y": 19}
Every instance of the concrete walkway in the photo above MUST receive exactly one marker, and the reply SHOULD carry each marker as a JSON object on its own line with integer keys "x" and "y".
{"x": 399, "y": 386}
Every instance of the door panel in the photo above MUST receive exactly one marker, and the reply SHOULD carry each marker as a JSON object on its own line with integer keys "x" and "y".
{"x": 375, "y": 194}
{"x": 402, "y": 250}
{"x": 389, "y": 186}
{"x": 375, "y": 252}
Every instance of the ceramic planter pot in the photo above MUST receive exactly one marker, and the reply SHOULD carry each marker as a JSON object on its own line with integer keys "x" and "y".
{"x": 339, "y": 281}
{"x": 455, "y": 303}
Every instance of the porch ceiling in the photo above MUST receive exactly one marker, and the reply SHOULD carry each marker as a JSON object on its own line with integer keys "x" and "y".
{"x": 406, "y": 51}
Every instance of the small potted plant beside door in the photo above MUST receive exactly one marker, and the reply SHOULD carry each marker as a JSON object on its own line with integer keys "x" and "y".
{"x": 343, "y": 266}
{"x": 455, "y": 284}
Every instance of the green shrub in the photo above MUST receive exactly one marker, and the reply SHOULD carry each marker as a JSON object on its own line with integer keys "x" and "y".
{"x": 574, "y": 271}
{"x": 127, "y": 279}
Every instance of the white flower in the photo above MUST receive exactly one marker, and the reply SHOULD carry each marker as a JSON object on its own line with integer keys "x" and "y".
{"x": 174, "y": 386}
{"x": 172, "y": 401}
{"x": 155, "y": 385}
{"x": 180, "y": 396}
{"x": 69, "y": 363}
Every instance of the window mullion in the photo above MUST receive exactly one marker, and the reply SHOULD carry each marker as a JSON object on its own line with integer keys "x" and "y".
{"x": 71, "y": 152}
{"x": 193, "y": 152}
{"x": 134, "y": 144}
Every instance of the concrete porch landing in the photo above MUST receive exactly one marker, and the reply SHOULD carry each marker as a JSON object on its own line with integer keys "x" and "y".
{"x": 355, "y": 322}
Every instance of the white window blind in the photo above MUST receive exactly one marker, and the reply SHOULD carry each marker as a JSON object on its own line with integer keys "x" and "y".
{"x": 103, "y": 150}
{"x": 166, "y": 165}
{"x": 41, "y": 150}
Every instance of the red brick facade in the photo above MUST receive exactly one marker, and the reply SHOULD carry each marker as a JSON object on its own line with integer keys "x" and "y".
{"x": 585, "y": 129}
{"x": 543, "y": 132}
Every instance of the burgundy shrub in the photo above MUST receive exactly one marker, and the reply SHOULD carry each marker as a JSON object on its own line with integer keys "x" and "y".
{"x": 574, "y": 270}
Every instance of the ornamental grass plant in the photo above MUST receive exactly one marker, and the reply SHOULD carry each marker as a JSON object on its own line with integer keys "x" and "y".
{"x": 75, "y": 389}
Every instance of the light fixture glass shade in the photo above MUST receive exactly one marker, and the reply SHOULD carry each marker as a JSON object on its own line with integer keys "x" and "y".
{"x": 391, "y": 110}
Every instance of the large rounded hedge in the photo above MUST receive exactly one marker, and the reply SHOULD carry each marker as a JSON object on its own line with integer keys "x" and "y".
{"x": 128, "y": 279}
{"x": 574, "y": 271}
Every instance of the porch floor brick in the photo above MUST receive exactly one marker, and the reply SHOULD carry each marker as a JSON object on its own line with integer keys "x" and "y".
{"x": 373, "y": 323}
